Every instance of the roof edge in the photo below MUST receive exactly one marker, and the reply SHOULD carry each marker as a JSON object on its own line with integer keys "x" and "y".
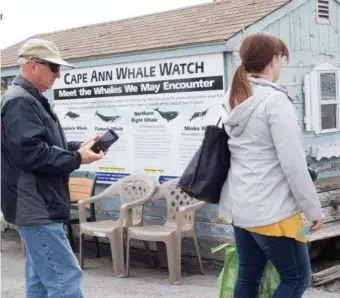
{"x": 133, "y": 56}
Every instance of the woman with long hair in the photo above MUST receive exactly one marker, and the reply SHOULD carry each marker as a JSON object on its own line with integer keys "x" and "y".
{"x": 268, "y": 185}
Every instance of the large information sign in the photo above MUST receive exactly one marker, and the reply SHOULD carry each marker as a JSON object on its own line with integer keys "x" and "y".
{"x": 159, "y": 109}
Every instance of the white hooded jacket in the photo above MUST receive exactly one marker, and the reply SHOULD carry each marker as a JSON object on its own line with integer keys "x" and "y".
{"x": 268, "y": 179}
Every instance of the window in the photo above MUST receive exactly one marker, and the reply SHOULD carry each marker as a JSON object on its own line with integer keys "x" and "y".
{"x": 322, "y": 99}
{"x": 329, "y": 102}
{"x": 322, "y": 11}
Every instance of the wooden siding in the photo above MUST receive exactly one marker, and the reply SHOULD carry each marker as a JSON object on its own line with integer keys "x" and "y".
{"x": 304, "y": 34}
{"x": 310, "y": 44}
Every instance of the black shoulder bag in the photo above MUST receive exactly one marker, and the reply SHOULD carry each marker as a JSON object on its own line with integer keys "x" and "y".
{"x": 207, "y": 171}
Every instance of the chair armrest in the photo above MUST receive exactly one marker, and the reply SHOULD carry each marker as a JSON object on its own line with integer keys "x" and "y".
{"x": 191, "y": 207}
{"x": 77, "y": 201}
{"x": 181, "y": 214}
{"x": 133, "y": 204}
{"x": 83, "y": 203}
{"x": 140, "y": 202}
{"x": 158, "y": 194}
{"x": 126, "y": 207}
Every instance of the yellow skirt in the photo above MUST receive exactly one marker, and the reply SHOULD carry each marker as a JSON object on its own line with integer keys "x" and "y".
{"x": 289, "y": 227}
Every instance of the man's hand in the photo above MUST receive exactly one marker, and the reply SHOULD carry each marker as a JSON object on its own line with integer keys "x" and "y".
{"x": 89, "y": 156}
{"x": 88, "y": 141}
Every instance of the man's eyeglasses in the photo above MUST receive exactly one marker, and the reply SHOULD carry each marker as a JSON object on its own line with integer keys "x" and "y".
{"x": 53, "y": 67}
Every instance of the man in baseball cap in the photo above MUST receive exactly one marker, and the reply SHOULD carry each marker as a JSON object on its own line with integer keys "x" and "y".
{"x": 40, "y": 61}
{"x": 36, "y": 161}
{"x": 41, "y": 49}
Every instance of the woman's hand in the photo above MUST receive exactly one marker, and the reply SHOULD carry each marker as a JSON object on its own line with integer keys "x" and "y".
{"x": 318, "y": 224}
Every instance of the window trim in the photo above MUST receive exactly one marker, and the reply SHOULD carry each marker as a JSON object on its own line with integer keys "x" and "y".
{"x": 312, "y": 98}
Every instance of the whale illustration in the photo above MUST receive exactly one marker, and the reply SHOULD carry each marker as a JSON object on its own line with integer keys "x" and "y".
{"x": 167, "y": 115}
{"x": 107, "y": 118}
{"x": 199, "y": 114}
{"x": 71, "y": 115}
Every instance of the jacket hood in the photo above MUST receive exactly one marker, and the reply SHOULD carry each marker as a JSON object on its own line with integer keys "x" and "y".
{"x": 237, "y": 119}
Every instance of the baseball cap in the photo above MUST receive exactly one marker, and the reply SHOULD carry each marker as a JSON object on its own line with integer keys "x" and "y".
{"x": 41, "y": 49}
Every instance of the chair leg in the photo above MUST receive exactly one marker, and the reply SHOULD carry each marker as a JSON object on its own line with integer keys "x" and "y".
{"x": 174, "y": 261}
{"x": 124, "y": 242}
{"x": 198, "y": 253}
{"x": 81, "y": 250}
{"x": 23, "y": 247}
{"x": 3, "y": 229}
{"x": 117, "y": 251}
{"x": 127, "y": 255}
{"x": 148, "y": 251}
{"x": 70, "y": 235}
{"x": 97, "y": 247}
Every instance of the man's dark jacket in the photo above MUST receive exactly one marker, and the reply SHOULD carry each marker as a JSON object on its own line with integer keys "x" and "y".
{"x": 36, "y": 160}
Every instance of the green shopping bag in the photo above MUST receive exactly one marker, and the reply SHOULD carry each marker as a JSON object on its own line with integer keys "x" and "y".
{"x": 229, "y": 275}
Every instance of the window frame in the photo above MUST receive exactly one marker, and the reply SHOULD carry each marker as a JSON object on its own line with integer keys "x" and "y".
{"x": 335, "y": 101}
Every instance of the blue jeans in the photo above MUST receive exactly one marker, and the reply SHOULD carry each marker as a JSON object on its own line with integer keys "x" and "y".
{"x": 290, "y": 258}
{"x": 52, "y": 269}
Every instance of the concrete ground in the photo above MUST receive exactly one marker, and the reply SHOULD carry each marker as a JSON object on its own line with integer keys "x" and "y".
{"x": 98, "y": 280}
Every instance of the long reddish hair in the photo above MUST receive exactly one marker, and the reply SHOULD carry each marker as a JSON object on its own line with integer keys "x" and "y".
{"x": 257, "y": 51}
